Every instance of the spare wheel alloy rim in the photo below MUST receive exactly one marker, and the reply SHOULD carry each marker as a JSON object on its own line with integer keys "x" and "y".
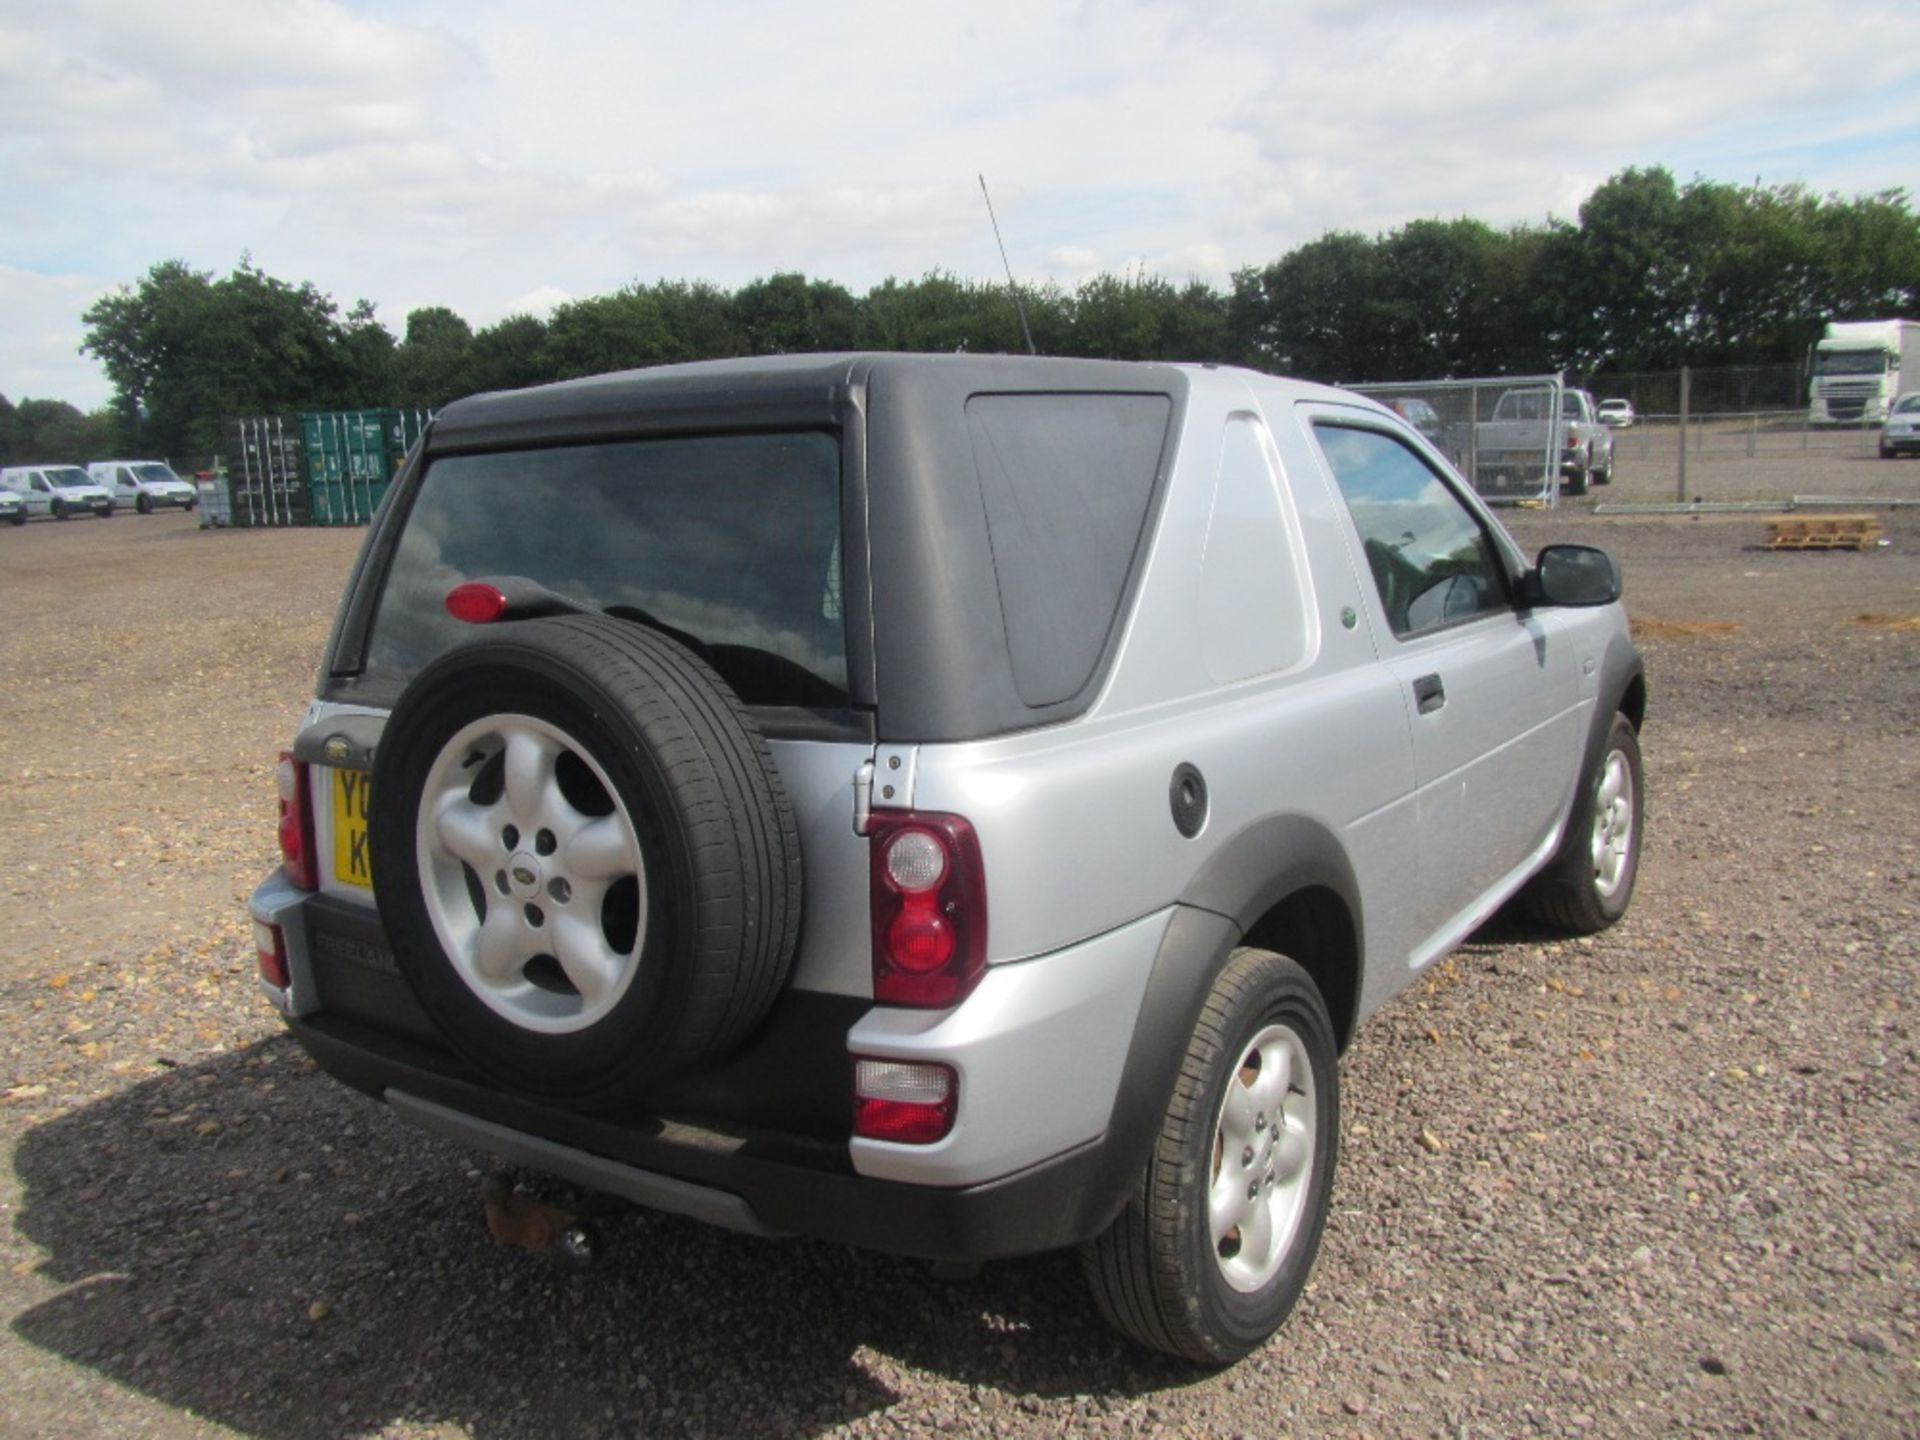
{"x": 1263, "y": 1151}
{"x": 531, "y": 870}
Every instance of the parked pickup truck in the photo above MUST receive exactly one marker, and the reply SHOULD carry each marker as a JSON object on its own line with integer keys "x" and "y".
{"x": 1511, "y": 449}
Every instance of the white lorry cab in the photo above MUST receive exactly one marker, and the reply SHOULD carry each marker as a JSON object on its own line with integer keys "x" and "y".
{"x": 143, "y": 485}
{"x": 57, "y": 490}
{"x": 1859, "y": 366}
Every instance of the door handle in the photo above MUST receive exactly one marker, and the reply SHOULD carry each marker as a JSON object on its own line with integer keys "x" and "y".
{"x": 1429, "y": 694}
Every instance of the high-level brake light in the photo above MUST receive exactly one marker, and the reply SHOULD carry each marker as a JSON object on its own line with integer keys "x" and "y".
{"x": 476, "y": 602}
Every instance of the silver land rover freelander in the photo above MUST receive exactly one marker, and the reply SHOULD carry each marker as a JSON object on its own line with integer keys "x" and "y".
{"x": 959, "y": 806}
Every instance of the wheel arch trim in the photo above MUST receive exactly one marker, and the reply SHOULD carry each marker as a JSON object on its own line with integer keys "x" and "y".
{"x": 1234, "y": 900}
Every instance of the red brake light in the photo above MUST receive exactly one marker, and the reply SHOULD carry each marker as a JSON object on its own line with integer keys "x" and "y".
{"x": 297, "y": 857}
{"x": 928, "y": 894}
{"x": 476, "y": 602}
{"x": 908, "y": 1102}
{"x": 270, "y": 946}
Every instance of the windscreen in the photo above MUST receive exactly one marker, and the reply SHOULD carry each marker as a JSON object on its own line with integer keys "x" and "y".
{"x": 729, "y": 543}
{"x": 1850, "y": 362}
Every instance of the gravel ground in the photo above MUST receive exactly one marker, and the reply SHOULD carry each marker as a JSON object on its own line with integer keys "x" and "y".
{"x": 1662, "y": 1181}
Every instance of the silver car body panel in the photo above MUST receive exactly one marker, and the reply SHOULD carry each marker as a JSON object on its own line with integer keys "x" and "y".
{"x": 277, "y": 901}
{"x": 1038, "y": 1049}
{"x": 837, "y": 938}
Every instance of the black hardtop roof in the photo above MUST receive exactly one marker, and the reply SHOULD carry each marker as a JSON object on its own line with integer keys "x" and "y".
{"x": 928, "y": 643}
{"x": 765, "y": 391}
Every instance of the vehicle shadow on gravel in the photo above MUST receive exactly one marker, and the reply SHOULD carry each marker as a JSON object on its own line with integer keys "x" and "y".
{"x": 247, "y": 1240}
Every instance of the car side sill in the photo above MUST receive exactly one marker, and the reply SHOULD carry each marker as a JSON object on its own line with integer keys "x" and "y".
{"x": 1482, "y": 910}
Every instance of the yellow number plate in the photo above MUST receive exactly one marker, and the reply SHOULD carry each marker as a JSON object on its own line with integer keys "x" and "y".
{"x": 350, "y": 865}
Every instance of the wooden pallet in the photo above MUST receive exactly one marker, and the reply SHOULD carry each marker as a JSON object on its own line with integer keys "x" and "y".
{"x": 1823, "y": 532}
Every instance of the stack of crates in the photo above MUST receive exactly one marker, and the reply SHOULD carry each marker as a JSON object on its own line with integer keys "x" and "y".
{"x": 266, "y": 472}
{"x": 352, "y": 456}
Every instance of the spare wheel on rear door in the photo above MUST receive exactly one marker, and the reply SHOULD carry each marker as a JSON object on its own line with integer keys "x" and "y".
{"x": 583, "y": 856}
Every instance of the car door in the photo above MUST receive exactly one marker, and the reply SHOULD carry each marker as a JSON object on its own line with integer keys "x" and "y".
{"x": 1491, "y": 689}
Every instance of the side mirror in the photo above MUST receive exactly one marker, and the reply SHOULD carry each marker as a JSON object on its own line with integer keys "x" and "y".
{"x": 1573, "y": 575}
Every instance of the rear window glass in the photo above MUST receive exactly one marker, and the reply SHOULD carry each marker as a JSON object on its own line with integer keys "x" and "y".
{"x": 1066, "y": 480}
{"x": 730, "y": 542}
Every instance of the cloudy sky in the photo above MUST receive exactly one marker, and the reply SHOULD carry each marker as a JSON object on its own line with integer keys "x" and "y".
{"x": 498, "y": 157}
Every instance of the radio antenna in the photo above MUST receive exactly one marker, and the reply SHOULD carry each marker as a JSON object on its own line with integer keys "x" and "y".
{"x": 1018, "y": 303}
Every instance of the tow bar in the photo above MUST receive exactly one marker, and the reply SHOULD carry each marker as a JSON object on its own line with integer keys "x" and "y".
{"x": 569, "y": 1238}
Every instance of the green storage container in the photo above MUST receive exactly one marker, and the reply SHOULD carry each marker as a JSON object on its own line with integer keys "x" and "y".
{"x": 350, "y": 459}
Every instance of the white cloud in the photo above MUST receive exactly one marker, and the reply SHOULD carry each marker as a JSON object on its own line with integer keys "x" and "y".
{"x": 541, "y": 301}
{"x": 496, "y": 157}
{"x": 40, "y": 353}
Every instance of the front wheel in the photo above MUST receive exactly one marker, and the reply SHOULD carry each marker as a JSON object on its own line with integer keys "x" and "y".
{"x": 144, "y": 504}
{"x": 1216, "y": 1241}
{"x": 1590, "y": 882}
{"x": 59, "y": 509}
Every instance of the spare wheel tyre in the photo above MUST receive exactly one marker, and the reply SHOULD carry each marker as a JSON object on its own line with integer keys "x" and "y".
{"x": 584, "y": 857}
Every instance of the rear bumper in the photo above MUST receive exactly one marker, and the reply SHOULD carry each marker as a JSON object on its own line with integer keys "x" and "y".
{"x": 762, "y": 1143}
{"x": 756, "y": 1183}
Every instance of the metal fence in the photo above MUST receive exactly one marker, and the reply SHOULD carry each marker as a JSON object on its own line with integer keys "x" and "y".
{"x": 1754, "y": 433}
{"x": 1761, "y": 455}
{"x": 1712, "y": 450}
{"x": 1504, "y": 433}
{"x": 1713, "y": 390}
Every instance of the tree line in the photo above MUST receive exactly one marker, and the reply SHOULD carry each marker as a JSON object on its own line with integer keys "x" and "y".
{"x": 1651, "y": 275}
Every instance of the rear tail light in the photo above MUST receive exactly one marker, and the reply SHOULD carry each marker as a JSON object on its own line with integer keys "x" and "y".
{"x": 270, "y": 945}
{"x": 297, "y": 858}
{"x": 909, "y": 1103}
{"x": 928, "y": 894}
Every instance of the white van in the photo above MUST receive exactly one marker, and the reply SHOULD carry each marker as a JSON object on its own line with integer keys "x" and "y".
{"x": 144, "y": 485}
{"x": 56, "y": 490}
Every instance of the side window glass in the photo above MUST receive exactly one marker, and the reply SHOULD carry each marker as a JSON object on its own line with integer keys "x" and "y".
{"x": 1066, "y": 480}
{"x": 1432, "y": 563}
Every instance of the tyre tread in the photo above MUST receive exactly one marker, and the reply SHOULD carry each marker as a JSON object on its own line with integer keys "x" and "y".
{"x": 1562, "y": 895}
{"x": 1134, "y": 1267}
